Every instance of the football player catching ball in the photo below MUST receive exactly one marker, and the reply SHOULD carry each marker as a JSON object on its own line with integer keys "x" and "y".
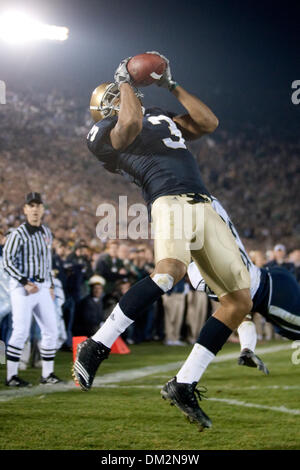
{"x": 150, "y": 146}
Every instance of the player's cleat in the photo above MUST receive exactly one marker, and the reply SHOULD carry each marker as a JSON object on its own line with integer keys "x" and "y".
{"x": 249, "y": 359}
{"x": 16, "y": 381}
{"x": 89, "y": 356}
{"x": 184, "y": 396}
{"x": 52, "y": 379}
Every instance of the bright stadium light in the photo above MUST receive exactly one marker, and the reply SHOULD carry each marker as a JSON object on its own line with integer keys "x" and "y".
{"x": 17, "y": 27}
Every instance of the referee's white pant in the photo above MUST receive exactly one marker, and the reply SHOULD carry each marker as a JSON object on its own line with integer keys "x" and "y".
{"x": 42, "y": 307}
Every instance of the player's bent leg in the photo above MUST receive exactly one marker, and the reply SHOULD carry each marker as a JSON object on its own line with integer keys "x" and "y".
{"x": 94, "y": 350}
{"x": 233, "y": 308}
{"x": 248, "y": 338}
{"x": 222, "y": 268}
{"x": 169, "y": 267}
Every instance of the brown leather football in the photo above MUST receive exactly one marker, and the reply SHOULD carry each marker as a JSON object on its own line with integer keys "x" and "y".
{"x": 145, "y": 69}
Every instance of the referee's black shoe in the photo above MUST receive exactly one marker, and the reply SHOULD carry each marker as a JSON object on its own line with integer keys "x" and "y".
{"x": 89, "y": 356}
{"x": 184, "y": 396}
{"x": 16, "y": 381}
{"x": 52, "y": 379}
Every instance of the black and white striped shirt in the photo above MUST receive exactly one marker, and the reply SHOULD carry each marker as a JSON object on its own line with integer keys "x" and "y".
{"x": 27, "y": 253}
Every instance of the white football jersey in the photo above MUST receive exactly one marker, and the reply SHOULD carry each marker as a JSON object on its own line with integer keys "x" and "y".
{"x": 194, "y": 274}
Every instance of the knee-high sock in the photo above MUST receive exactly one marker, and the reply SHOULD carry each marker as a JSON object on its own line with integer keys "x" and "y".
{"x": 213, "y": 336}
{"x": 132, "y": 304}
{"x": 12, "y": 368}
{"x": 47, "y": 368}
{"x": 247, "y": 335}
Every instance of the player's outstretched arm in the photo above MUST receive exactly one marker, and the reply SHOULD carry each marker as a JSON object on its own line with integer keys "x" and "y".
{"x": 200, "y": 119}
{"x": 130, "y": 118}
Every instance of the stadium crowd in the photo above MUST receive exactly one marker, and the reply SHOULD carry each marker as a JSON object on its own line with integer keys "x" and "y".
{"x": 253, "y": 172}
{"x": 42, "y": 142}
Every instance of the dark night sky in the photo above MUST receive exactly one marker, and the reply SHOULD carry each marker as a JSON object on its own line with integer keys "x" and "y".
{"x": 238, "y": 56}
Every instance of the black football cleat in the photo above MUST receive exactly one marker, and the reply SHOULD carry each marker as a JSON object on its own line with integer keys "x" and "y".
{"x": 89, "y": 356}
{"x": 249, "y": 359}
{"x": 184, "y": 396}
{"x": 52, "y": 379}
{"x": 16, "y": 381}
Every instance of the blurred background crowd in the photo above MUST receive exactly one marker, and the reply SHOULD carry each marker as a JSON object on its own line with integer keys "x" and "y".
{"x": 253, "y": 172}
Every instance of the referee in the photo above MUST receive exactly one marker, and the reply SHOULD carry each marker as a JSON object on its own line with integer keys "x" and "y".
{"x": 27, "y": 260}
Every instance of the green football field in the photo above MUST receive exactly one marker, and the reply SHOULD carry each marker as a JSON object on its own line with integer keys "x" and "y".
{"x": 125, "y": 411}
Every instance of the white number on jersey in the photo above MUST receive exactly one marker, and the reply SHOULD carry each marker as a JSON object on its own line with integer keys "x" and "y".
{"x": 169, "y": 142}
{"x": 93, "y": 132}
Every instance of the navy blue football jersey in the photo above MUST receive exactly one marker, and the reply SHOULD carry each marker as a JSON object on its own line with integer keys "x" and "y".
{"x": 158, "y": 160}
{"x": 278, "y": 300}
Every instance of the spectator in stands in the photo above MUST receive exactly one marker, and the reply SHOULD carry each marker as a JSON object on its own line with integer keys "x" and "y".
{"x": 280, "y": 259}
{"x": 72, "y": 294}
{"x": 174, "y": 303}
{"x": 81, "y": 257}
{"x": 124, "y": 254}
{"x": 258, "y": 258}
{"x": 122, "y": 286}
{"x": 89, "y": 312}
{"x": 196, "y": 312}
{"x": 294, "y": 257}
{"x": 58, "y": 260}
{"x": 110, "y": 266}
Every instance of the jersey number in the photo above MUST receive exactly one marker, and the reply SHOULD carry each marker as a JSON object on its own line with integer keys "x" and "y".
{"x": 169, "y": 141}
{"x": 93, "y": 132}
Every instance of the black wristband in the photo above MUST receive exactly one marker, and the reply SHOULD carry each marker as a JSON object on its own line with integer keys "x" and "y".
{"x": 23, "y": 281}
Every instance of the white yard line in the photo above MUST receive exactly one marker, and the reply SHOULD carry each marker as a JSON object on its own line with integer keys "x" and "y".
{"x": 229, "y": 401}
{"x": 282, "y": 409}
{"x": 123, "y": 376}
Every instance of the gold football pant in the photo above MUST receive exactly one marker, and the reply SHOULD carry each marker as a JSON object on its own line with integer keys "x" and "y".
{"x": 186, "y": 230}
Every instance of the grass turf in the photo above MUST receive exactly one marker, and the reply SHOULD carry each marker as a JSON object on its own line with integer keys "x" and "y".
{"x": 131, "y": 415}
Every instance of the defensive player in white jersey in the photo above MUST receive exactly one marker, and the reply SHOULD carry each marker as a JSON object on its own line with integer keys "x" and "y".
{"x": 275, "y": 294}
{"x": 27, "y": 260}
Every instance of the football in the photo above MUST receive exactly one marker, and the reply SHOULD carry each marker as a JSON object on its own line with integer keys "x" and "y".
{"x": 145, "y": 69}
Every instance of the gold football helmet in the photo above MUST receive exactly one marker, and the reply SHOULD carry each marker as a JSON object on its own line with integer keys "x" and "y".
{"x": 105, "y": 101}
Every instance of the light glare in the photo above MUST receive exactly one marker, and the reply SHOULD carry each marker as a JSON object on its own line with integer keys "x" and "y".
{"x": 17, "y": 27}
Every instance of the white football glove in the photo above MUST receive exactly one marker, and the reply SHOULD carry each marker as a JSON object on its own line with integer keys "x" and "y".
{"x": 166, "y": 81}
{"x": 121, "y": 74}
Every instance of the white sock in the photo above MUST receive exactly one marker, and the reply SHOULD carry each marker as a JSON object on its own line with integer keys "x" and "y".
{"x": 116, "y": 323}
{"x": 195, "y": 365}
{"x": 11, "y": 369}
{"x": 47, "y": 368}
{"x": 247, "y": 335}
